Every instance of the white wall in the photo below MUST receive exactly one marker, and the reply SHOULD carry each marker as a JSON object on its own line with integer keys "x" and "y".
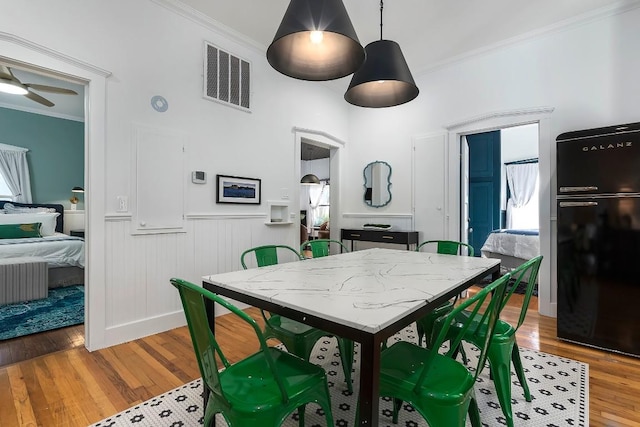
{"x": 151, "y": 50}
{"x": 586, "y": 72}
{"x": 519, "y": 143}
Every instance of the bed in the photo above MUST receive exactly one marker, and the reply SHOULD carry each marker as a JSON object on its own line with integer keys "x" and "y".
{"x": 513, "y": 247}
{"x": 63, "y": 254}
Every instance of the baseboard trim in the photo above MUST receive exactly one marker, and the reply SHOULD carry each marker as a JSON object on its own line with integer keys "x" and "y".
{"x": 552, "y": 310}
{"x": 119, "y": 334}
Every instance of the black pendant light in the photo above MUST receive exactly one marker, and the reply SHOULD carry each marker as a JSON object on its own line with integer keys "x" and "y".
{"x": 310, "y": 179}
{"x": 316, "y": 41}
{"x": 384, "y": 80}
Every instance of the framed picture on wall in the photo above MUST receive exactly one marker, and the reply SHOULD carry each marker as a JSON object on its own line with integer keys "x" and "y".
{"x": 239, "y": 190}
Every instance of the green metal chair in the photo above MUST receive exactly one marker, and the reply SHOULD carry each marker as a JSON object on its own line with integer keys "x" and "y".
{"x": 503, "y": 348}
{"x": 321, "y": 247}
{"x": 447, "y": 247}
{"x": 261, "y": 390}
{"x": 440, "y": 388}
{"x": 297, "y": 337}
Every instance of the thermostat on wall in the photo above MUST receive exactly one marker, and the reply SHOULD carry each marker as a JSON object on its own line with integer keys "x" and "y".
{"x": 198, "y": 177}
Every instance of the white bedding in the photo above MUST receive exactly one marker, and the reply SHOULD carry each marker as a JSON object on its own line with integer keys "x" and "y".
{"x": 58, "y": 250}
{"x": 524, "y": 244}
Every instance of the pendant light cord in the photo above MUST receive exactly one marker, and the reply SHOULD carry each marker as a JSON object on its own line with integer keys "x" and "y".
{"x": 381, "y": 6}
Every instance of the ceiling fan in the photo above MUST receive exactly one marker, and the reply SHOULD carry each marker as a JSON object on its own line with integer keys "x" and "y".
{"x": 10, "y": 84}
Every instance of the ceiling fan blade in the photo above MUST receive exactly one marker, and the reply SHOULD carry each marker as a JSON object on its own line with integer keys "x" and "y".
{"x": 37, "y": 98}
{"x": 5, "y": 73}
{"x": 51, "y": 89}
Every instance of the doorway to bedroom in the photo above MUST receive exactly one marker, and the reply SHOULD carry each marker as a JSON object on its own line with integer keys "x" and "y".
{"x": 53, "y": 139}
{"x": 500, "y": 193}
{"x": 315, "y": 191}
{"x": 501, "y": 182}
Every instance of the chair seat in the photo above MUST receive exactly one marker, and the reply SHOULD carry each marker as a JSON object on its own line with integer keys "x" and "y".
{"x": 448, "y": 380}
{"x": 249, "y": 384}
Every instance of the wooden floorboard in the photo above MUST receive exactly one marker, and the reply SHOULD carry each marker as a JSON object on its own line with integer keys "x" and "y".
{"x": 31, "y": 346}
{"x": 65, "y": 385}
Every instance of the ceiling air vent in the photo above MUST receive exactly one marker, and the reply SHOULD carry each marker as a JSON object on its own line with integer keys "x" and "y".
{"x": 227, "y": 78}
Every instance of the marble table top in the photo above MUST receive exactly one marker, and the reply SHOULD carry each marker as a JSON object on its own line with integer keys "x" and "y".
{"x": 367, "y": 290}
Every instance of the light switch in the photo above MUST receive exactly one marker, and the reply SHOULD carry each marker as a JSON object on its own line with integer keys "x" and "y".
{"x": 123, "y": 204}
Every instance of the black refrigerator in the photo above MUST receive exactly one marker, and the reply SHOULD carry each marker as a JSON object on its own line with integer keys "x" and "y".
{"x": 598, "y": 245}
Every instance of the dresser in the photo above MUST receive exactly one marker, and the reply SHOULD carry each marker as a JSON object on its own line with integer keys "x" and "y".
{"x": 406, "y": 238}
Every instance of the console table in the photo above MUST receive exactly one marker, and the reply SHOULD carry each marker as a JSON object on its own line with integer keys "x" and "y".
{"x": 407, "y": 238}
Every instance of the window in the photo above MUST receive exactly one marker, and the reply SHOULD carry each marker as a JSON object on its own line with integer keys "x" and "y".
{"x": 5, "y": 193}
{"x": 527, "y": 217}
{"x": 523, "y": 188}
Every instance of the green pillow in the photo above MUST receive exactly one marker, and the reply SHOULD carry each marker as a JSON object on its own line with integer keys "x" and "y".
{"x": 18, "y": 231}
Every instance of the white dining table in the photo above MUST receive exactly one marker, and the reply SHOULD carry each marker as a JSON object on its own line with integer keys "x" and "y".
{"x": 366, "y": 296}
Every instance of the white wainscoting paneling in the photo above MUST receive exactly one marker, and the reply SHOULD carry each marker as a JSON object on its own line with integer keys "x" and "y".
{"x": 139, "y": 298}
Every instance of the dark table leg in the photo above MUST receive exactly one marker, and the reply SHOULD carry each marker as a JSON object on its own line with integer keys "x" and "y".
{"x": 368, "y": 399}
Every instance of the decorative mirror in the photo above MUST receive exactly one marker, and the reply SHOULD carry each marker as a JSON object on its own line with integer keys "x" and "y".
{"x": 377, "y": 184}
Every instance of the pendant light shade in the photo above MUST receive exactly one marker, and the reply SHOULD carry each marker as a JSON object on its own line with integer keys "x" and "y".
{"x": 309, "y": 179}
{"x": 384, "y": 80}
{"x": 316, "y": 41}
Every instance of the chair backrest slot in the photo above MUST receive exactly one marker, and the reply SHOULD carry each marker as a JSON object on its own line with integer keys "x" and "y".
{"x": 267, "y": 255}
{"x": 322, "y": 247}
{"x": 448, "y": 247}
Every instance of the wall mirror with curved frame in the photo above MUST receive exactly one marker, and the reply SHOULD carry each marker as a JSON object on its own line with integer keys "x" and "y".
{"x": 377, "y": 184}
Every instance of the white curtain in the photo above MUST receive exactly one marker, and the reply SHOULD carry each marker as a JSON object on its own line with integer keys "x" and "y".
{"x": 522, "y": 180}
{"x": 15, "y": 171}
{"x": 318, "y": 195}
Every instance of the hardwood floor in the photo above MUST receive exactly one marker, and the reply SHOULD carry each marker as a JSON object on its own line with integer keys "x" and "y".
{"x": 28, "y": 347}
{"x": 75, "y": 388}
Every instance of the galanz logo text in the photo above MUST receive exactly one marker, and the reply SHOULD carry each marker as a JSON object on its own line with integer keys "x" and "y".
{"x": 607, "y": 147}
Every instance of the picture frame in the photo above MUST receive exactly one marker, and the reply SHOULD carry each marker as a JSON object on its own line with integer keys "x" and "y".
{"x": 238, "y": 190}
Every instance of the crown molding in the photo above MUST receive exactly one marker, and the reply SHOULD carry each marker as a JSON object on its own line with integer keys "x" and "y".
{"x": 565, "y": 25}
{"x": 209, "y": 23}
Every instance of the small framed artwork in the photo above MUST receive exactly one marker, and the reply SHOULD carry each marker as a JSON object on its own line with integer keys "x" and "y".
{"x": 236, "y": 189}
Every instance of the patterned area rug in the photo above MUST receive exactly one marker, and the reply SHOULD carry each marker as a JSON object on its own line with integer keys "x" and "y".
{"x": 63, "y": 307}
{"x": 559, "y": 388}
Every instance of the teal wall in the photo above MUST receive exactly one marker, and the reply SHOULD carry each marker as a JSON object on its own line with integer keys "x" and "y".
{"x": 56, "y": 153}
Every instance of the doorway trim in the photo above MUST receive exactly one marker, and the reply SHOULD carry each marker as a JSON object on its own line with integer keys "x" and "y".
{"x": 334, "y": 144}
{"x": 38, "y": 57}
{"x": 498, "y": 120}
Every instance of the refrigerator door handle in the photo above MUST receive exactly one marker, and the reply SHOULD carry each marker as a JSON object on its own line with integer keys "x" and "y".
{"x": 572, "y": 204}
{"x": 572, "y": 189}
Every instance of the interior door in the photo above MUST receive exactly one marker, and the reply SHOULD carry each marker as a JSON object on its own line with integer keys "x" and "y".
{"x": 430, "y": 186}
{"x": 464, "y": 190}
{"x": 484, "y": 187}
